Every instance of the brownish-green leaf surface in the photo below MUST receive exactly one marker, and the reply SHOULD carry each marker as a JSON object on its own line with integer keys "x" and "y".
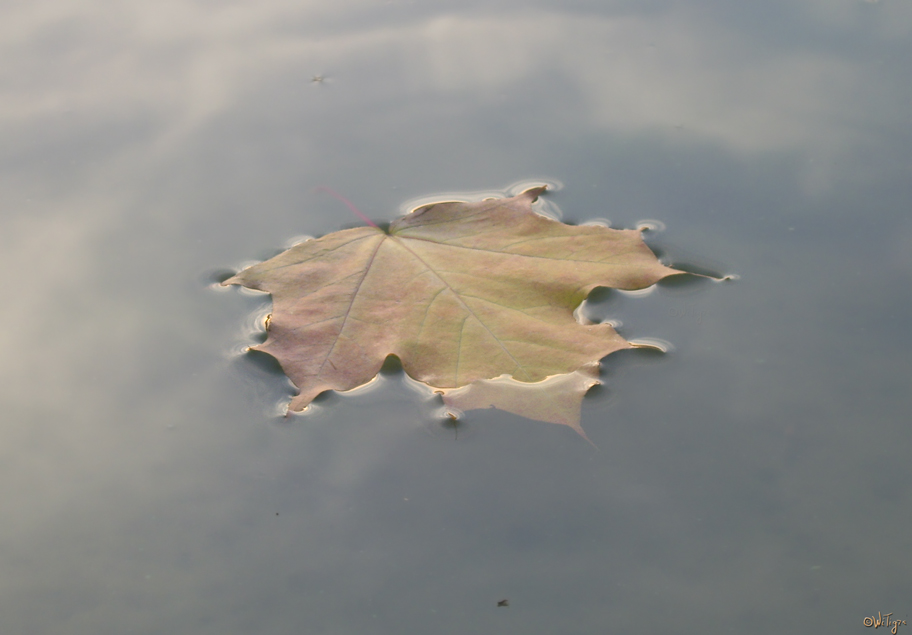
{"x": 460, "y": 292}
{"x": 557, "y": 399}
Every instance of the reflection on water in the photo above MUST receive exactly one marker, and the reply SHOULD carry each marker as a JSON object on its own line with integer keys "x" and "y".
{"x": 755, "y": 475}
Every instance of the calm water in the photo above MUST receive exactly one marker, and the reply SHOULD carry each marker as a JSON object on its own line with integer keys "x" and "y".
{"x": 756, "y": 479}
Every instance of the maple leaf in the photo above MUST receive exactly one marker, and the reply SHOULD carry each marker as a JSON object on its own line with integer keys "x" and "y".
{"x": 557, "y": 399}
{"x": 460, "y": 293}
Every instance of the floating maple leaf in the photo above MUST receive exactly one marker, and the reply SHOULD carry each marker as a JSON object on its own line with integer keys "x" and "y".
{"x": 463, "y": 294}
{"x": 557, "y": 399}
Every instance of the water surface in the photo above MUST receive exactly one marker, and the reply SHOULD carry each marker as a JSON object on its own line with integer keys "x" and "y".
{"x": 755, "y": 478}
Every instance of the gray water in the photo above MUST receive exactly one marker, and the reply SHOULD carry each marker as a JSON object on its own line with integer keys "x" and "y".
{"x": 754, "y": 479}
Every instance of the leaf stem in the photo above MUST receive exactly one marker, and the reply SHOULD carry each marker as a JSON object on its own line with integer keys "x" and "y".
{"x": 351, "y": 206}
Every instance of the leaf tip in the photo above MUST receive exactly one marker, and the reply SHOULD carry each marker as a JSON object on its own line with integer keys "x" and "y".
{"x": 534, "y": 192}
{"x": 227, "y": 282}
{"x": 579, "y": 430}
{"x": 652, "y": 343}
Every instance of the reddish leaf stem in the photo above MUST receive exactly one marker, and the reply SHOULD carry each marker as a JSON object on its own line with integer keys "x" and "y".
{"x": 351, "y": 206}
